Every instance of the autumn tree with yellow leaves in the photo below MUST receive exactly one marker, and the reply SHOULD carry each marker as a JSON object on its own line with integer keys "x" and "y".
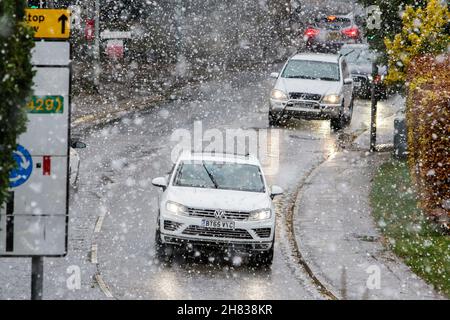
{"x": 423, "y": 32}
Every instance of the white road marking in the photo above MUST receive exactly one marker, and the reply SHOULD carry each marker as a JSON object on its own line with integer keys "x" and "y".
{"x": 94, "y": 255}
{"x": 103, "y": 286}
{"x": 99, "y": 224}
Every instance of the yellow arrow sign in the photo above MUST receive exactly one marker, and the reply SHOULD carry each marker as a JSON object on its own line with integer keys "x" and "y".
{"x": 49, "y": 23}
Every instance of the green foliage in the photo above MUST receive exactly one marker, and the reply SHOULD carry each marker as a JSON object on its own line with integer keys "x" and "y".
{"x": 391, "y": 21}
{"x": 16, "y": 76}
{"x": 408, "y": 231}
{"x": 422, "y": 32}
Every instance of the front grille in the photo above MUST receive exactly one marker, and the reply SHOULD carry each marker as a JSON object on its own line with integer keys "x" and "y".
{"x": 171, "y": 225}
{"x": 217, "y": 233}
{"x": 263, "y": 232}
{"x": 305, "y": 96}
{"x": 210, "y": 213}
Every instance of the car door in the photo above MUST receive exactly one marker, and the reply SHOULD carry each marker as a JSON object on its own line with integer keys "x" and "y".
{"x": 347, "y": 88}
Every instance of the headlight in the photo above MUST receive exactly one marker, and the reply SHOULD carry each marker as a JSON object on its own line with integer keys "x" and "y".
{"x": 176, "y": 208}
{"x": 332, "y": 98}
{"x": 278, "y": 95}
{"x": 262, "y": 214}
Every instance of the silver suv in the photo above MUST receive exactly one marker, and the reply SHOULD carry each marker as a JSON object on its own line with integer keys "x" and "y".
{"x": 313, "y": 86}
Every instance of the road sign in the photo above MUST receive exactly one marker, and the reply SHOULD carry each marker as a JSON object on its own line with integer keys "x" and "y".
{"x": 34, "y": 220}
{"x": 115, "y": 34}
{"x": 49, "y": 23}
{"x": 24, "y": 166}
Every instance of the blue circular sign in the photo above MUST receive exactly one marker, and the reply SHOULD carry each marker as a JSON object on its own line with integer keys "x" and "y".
{"x": 24, "y": 167}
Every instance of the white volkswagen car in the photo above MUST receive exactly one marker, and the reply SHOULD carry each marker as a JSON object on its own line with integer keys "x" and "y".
{"x": 219, "y": 200}
{"x": 313, "y": 86}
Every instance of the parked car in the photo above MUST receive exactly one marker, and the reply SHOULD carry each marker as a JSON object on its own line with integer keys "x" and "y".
{"x": 313, "y": 86}
{"x": 360, "y": 58}
{"x": 217, "y": 201}
{"x": 330, "y": 33}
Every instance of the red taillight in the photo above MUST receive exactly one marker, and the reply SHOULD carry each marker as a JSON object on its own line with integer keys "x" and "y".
{"x": 377, "y": 79}
{"x": 311, "y": 32}
{"x": 351, "y": 32}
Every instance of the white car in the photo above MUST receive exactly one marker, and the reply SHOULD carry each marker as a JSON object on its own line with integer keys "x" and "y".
{"x": 218, "y": 201}
{"x": 313, "y": 86}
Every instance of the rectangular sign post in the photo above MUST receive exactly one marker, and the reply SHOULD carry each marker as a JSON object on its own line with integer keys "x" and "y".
{"x": 49, "y": 23}
{"x": 34, "y": 221}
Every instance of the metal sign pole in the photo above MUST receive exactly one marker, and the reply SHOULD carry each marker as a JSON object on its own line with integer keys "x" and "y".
{"x": 97, "y": 65}
{"x": 373, "y": 113}
{"x": 37, "y": 277}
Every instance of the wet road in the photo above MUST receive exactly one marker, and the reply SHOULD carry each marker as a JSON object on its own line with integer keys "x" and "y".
{"x": 121, "y": 161}
{"x": 113, "y": 211}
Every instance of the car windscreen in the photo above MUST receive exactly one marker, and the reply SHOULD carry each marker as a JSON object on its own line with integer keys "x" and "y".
{"x": 332, "y": 23}
{"x": 219, "y": 175}
{"x": 313, "y": 70}
{"x": 358, "y": 56}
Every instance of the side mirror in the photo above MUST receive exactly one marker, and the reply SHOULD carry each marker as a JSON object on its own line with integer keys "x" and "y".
{"x": 275, "y": 191}
{"x": 274, "y": 75}
{"x": 348, "y": 81}
{"x": 160, "y": 182}
{"x": 77, "y": 145}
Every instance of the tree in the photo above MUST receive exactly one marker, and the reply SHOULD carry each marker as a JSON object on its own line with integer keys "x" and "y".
{"x": 16, "y": 76}
{"x": 391, "y": 21}
{"x": 423, "y": 32}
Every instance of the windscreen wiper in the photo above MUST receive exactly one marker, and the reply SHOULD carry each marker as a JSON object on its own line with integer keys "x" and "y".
{"x": 328, "y": 79}
{"x": 301, "y": 77}
{"x": 210, "y": 175}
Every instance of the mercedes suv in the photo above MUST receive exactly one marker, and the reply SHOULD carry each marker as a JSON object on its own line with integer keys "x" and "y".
{"x": 313, "y": 86}
{"x": 217, "y": 201}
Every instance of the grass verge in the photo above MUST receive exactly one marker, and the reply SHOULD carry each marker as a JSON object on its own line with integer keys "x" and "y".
{"x": 407, "y": 230}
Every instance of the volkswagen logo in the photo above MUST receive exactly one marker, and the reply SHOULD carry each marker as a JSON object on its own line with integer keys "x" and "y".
{"x": 219, "y": 214}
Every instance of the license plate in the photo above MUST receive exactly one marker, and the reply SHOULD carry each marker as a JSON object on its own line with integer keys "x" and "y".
{"x": 219, "y": 224}
{"x": 304, "y": 105}
{"x": 334, "y": 36}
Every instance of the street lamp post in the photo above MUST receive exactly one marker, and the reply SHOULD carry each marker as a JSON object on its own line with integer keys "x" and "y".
{"x": 373, "y": 113}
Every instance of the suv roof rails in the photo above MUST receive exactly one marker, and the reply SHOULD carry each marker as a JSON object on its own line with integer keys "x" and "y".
{"x": 246, "y": 154}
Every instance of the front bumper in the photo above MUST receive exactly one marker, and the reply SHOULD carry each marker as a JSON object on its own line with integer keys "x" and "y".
{"x": 247, "y": 235}
{"x": 304, "y": 109}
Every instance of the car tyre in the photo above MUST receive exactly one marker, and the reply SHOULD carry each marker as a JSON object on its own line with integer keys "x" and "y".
{"x": 273, "y": 120}
{"x": 348, "y": 118}
{"x": 264, "y": 259}
{"x": 164, "y": 252}
{"x": 338, "y": 123}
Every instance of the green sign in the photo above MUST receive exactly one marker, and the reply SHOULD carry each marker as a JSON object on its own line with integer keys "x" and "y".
{"x": 46, "y": 104}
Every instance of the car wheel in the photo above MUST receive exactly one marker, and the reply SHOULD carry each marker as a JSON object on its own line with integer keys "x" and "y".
{"x": 338, "y": 122}
{"x": 264, "y": 259}
{"x": 273, "y": 120}
{"x": 164, "y": 252}
{"x": 348, "y": 118}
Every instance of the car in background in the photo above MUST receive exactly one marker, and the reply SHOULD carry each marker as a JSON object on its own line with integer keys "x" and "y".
{"x": 313, "y": 86}
{"x": 330, "y": 33}
{"x": 360, "y": 58}
{"x": 217, "y": 201}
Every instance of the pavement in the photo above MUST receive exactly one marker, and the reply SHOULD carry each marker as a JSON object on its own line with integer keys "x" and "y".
{"x": 335, "y": 231}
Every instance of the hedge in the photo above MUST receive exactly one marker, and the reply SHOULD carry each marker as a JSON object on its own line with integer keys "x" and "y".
{"x": 16, "y": 76}
{"x": 428, "y": 121}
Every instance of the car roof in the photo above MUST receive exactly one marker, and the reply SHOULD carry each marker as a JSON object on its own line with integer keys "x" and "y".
{"x": 356, "y": 46}
{"x": 219, "y": 157}
{"x": 316, "y": 57}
